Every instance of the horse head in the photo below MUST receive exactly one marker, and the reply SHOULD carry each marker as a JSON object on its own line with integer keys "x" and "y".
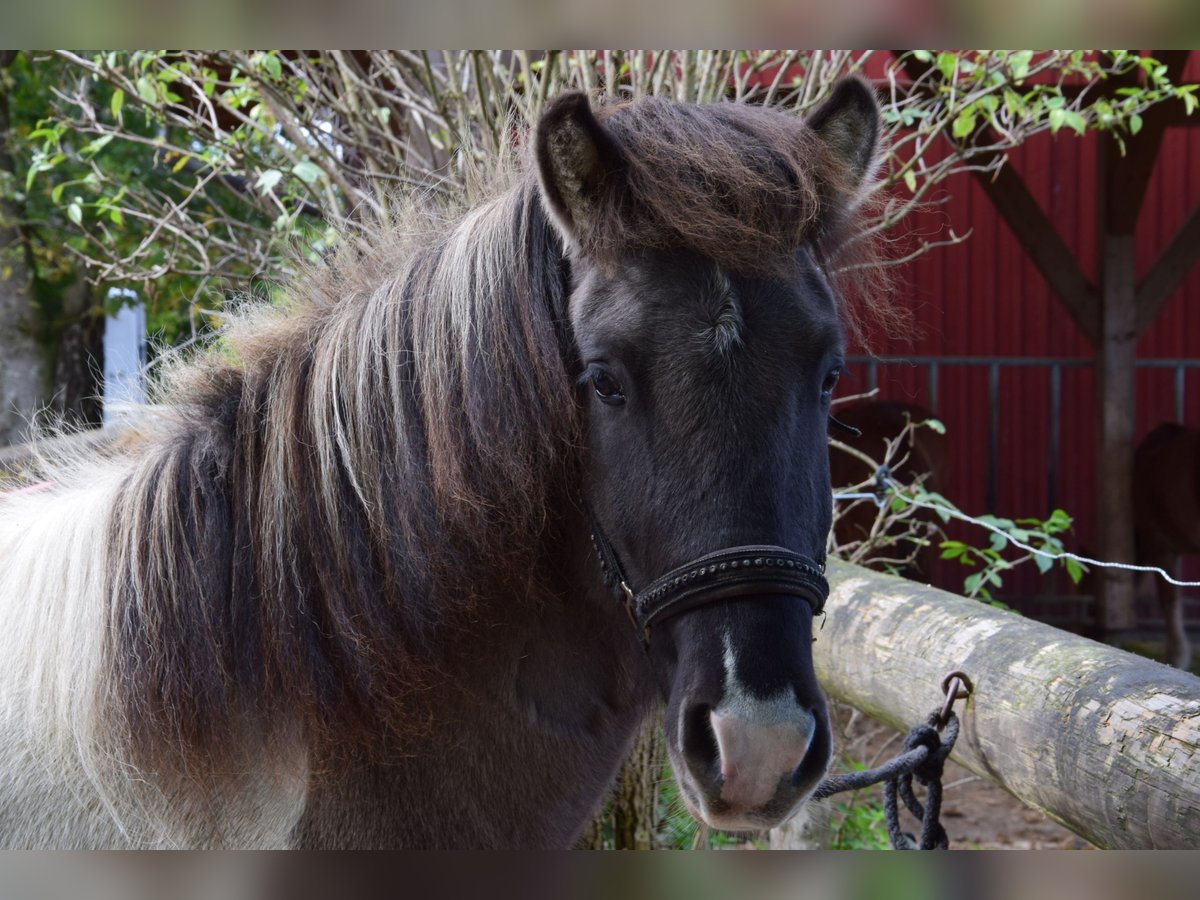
{"x": 708, "y": 343}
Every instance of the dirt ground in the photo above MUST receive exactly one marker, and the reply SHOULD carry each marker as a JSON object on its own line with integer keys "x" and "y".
{"x": 976, "y": 814}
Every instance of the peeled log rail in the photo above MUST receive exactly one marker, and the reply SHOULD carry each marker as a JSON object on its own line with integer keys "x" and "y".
{"x": 1105, "y": 742}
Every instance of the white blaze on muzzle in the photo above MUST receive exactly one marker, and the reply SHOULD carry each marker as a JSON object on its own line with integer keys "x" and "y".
{"x": 760, "y": 742}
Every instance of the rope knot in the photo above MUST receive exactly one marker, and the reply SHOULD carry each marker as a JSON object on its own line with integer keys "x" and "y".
{"x": 930, "y": 769}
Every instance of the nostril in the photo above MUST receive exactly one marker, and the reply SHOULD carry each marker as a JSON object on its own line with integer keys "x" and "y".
{"x": 699, "y": 743}
{"x": 815, "y": 762}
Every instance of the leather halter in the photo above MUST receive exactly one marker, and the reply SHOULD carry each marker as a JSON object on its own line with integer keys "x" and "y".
{"x": 721, "y": 575}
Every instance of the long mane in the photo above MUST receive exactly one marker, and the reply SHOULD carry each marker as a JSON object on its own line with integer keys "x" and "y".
{"x": 368, "y": 466}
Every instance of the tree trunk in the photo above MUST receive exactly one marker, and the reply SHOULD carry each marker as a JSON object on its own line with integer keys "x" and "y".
{"x": 79, "y": 363}
{"x": 23, "y": 364}
{"x": 635, "y": 806}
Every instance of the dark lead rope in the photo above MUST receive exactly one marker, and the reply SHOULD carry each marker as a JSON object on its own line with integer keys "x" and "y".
{"x": 926, "y": 748}
{"x": 923, "y": 757}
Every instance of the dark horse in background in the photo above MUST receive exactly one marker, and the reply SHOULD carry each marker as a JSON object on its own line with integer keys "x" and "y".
{"x": 344, "y": 592}
{"x": 1166, "y": 520}
{"x": 922, "y": 454}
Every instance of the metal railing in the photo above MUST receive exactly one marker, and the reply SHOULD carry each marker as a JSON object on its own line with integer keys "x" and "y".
{"x": 934, "y": 364}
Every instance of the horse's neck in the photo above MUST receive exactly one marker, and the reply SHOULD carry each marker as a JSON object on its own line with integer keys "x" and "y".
{"x": 522, "y": 747}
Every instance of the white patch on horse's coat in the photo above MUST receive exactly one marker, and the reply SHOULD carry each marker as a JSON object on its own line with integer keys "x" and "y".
{"x": 63, "y": 780}
{"x": 780, "y": 708}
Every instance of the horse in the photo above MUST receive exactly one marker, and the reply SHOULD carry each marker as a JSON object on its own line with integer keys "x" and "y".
{"x": 367, "y": 579}
{"x": 922, "y": 454}
{"x": 1166, "y": 520}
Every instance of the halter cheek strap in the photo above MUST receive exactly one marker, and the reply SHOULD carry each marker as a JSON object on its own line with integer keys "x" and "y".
{"x": 728, "y": 574}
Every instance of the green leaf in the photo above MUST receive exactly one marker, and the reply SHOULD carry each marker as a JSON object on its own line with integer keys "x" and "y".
{"x": 1057, "y": 119}
{"x": 267, "y": 180}
{"x": 118, "y": 100}
{"x": 972, "y": 583}
{"x": 1075, "y": 121}
{"x": 56, "y": 193}
{"x": 307, "y": 171}
{"x": 946, "y": 63}
{"x": 94, "y": 147}
{"x": 922, "y": 55}
{"x": 1059, "y": 520}
{"x": 1135, "y": 123}
{"x": 1073, "y": 569}
{"x": 75, "y": 212}
{"x": 910, "y": 180}
{"x": 1018, "y": 63}
{"x": 147, "y": 90}
{"x": 964, "y": 123}
{"x": 1044, "y": 563}
{"x": 271, "y": 63}
{"x": 935, "y": 425}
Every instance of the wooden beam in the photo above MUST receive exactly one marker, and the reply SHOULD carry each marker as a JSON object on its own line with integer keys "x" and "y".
{"x": 1044, "y": 246}
{"x": 1168, "y": 271}
{"x": 1105, "y": 742}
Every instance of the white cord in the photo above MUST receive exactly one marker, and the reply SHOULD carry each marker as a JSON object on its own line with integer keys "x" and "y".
{"x": 963, "y": 517}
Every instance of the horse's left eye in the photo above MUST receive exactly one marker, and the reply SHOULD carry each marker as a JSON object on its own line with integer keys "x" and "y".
{"x": 830, "y": 383}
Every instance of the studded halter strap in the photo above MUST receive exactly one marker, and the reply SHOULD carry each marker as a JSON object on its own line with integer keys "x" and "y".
{"x": 726, "y": 574}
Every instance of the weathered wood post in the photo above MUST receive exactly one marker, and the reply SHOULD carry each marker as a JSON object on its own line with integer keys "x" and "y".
{"x": 1116, "y": 353}
{"x": 1105, "y": 742}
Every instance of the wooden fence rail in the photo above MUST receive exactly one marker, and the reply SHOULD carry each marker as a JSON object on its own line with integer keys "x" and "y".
{"x": 1105, "y": 742}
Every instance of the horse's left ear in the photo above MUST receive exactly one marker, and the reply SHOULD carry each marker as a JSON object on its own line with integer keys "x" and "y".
{"x": 848, "y": 121}
{"x": 579, "y": 164}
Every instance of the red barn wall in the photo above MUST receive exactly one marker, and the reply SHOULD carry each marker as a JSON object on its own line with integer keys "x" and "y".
{"x": 984, "y": 298}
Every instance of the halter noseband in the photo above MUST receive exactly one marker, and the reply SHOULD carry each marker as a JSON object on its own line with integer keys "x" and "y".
{"x": 721, "y": 575}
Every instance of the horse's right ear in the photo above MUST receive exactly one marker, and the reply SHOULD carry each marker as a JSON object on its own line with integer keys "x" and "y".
{"x": 848, "y": 121}
{"x": 579, "y": 164}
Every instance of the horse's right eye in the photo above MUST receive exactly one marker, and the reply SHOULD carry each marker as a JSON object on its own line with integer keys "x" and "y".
{"x": 830, "y": 383}
{"x": 607, "y": 388}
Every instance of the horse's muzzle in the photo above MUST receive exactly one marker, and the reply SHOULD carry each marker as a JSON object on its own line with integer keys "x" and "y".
{"x": 750, "y": 767}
